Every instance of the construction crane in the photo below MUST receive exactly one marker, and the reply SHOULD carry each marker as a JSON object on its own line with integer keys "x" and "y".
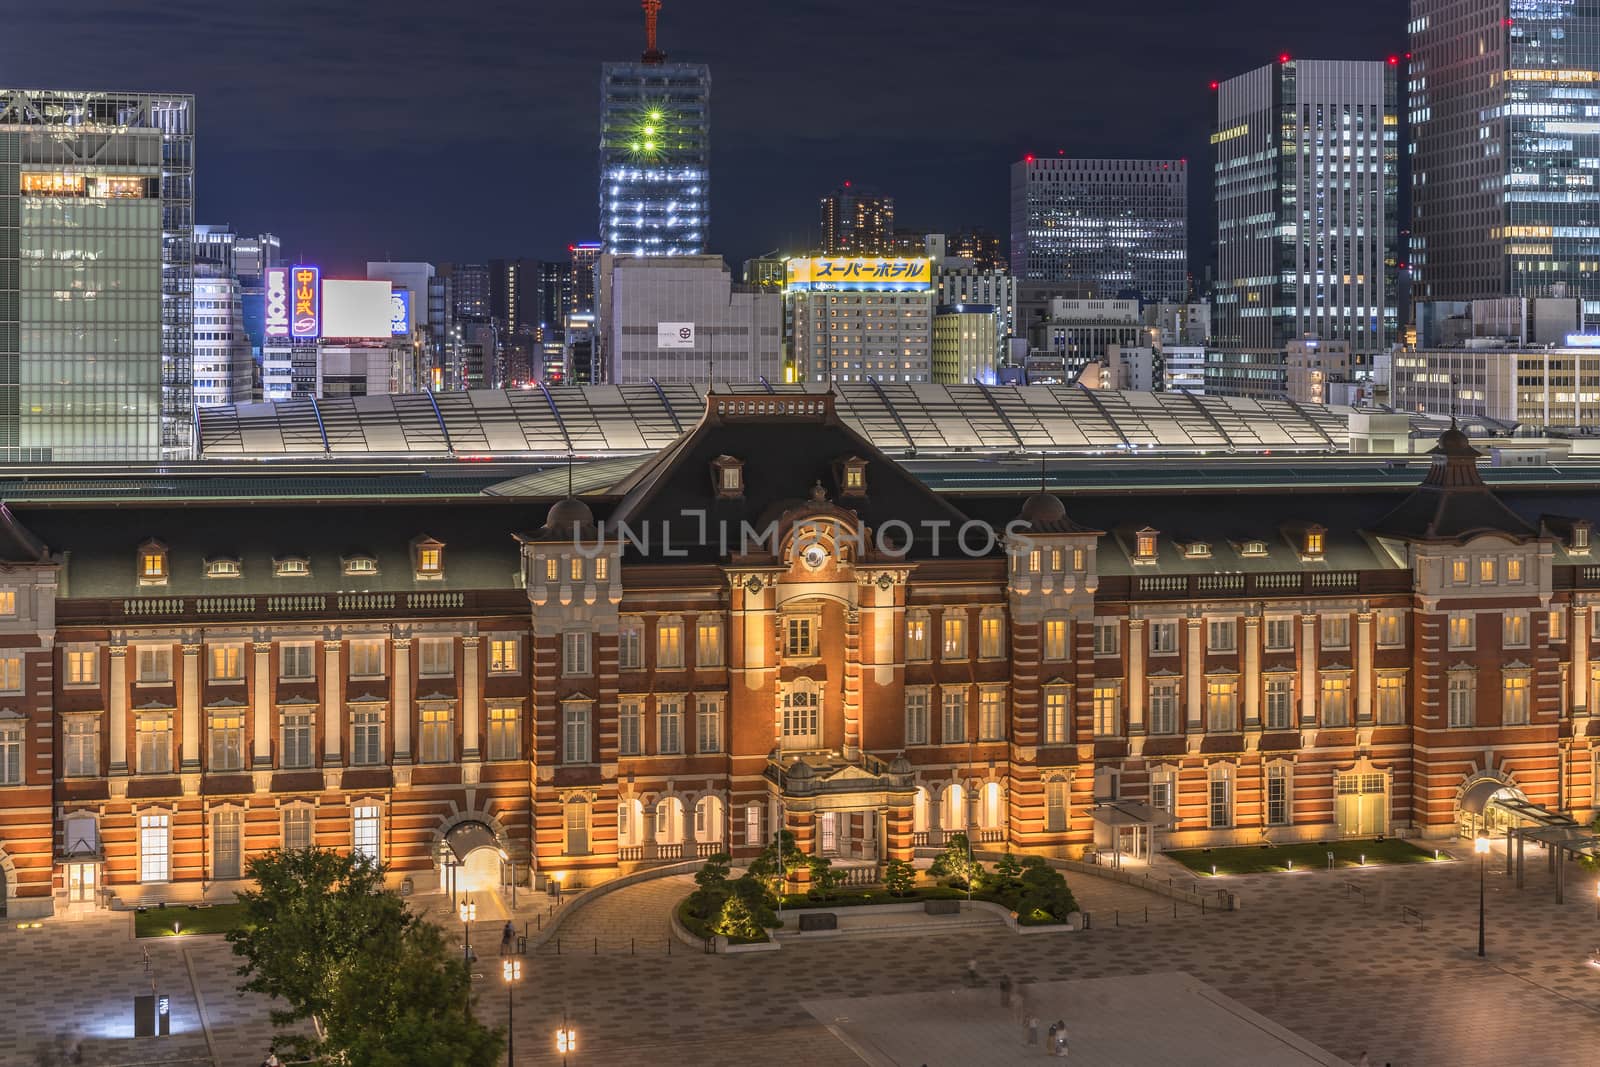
{"x": 652, "y": 9}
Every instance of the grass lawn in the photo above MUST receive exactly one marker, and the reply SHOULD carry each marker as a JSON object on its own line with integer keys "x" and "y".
{"x": 157, "y": 922}
{"x": 1253, "y": 859}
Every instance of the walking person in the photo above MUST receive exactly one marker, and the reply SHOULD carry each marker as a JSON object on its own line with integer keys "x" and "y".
{"x": 508, "y": 937}
{"x": 1005, "y": 991}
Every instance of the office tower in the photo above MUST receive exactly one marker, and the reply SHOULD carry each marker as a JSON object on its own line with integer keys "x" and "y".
{"x": 963, "y": 285}
{"x": 580, "y": 281}
{"x": 469, "y": 291}
{"x": 555, "y": 298}
{"x": 222, "y": 358}
{"x": 964, "y": 344}
{"x": 1505, "y": 148}
{"x": 429, "y": 306}
{"x": 684, "y": 319}
{"x": 1306, "y": 155}
{"x": 857, "y": 221}
{"x": 95, "y": 320}
{"x": 655, "y": 152}
{"x": 855, "y": 319}
{"x": 1081, "y": 332}
{"x": 514, "y": 294}
{"x": 1118, "y": 224}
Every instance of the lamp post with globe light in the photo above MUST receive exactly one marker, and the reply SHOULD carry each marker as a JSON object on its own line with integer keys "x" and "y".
{"x": 1481, "y": 847}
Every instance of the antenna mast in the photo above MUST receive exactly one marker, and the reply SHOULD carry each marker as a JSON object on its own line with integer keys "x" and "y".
{"x": 652, "y": 9}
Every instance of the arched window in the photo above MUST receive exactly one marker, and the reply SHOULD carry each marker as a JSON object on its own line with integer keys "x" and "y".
{"x": 669, "y": 821}
{"x": 708, "y": 819}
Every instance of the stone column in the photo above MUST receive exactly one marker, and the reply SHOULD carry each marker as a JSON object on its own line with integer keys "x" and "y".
{"x": 400, "y": 695}
{"x": 1308, "y": 668}
{"x": 189, "y": 705}
{"x": 852, "y": 685}
{"x": 332, "y": 701}
{"x": 1579, "y": 676}
{"x": 471, "y": 695}
{"x": 650, "y": 831}
{"x": 1252, "y": 672}
{"x": 1136, "y": 687}
{"x": 1363, "y": 667}
{"x": 1194, "y": 675}
{"x": 261, "y": 705}
{"x": 118, "y": 709}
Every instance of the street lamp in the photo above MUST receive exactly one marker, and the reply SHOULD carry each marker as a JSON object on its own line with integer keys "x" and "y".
{"x": 1481, "y": 847}
{"x": 469, "y": 912}
{"x": 566, "y": 1041}
{"x": 511, "y": 972}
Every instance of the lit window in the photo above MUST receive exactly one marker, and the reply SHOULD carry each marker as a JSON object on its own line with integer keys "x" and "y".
{"x": 1055, "y": 639}
{"x": 366, "y": 658}
{"x": 430, "y": 558}
{"x": 669, "y": 644}
{"x": 360, "y": 566}
{"x": 954, "y": 640}
{"x": 1486, "y": 568}
{"x": 1391, "y": 633}
{"x": 1336, "y": 631}
{"x": 1558, "y": 624}
{"x": 1336, "y": 700}
{"x": 227, "y": 740}
{"x": 1460, "y": 631}
{"x": 436, "y": 737}
{"x": 154, "y": 861}
{"x": 8, "y": 602}
{"x": 152, "y": 563}
{"x": 1514, "y": 569}
{"x": 602, "y": 568}
{"x": 364, "y": 832}
{"x": 575, "y": 569}
{"x": 1391, "y": 699}
{"x": 154, "y": 748}
{"x": 1458, "y": 571}
{"x": 991, "y": 637}
{"x": 1107, "y": 709}
{"x": 227, "y": 663}
{"x": 291, "y": 567}
{"x": 708, "y": 641}
{"x": 1514, "y": 700}
{"x": 1145, "y": 545}
{"x": 550, "y": 569}
{"x": 222, "y": 568}
{"x": 1514, "y": 629}
{"x": 1222, "y": 704}
{"x": 916, "y": 637}
{"x": 1314, "y": 542}
{"x": 503, "y": 655}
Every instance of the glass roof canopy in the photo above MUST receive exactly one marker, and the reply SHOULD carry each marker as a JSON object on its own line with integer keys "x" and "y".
{"x": 902, "y": 420}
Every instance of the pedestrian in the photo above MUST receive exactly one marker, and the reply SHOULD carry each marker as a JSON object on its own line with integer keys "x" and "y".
{"x": 1005, "y": 991}
{"x": 1363, "y": 1061}
{"x": 508, "y": 936}
{"x": 272, "y": 1060}
{"x": 1033, "y": 1030}
{"x": 1061, "y": 1044}
{"x": 972, "y": 972}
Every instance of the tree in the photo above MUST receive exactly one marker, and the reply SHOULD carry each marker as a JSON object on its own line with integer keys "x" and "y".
{"x": 405, "y": 1003}
{"x": 713, "y": 873}
{"x": 956, "y": 862}
{"x": 1007, "y": 873}
{"x": 773, "y": 866}
{"x": 736, "y": 920}
{"x": 825, "y": 881}
{"x": 899, "y": 877}
{"x": 1044, "y": 890}
{"x": 312, "y": 917}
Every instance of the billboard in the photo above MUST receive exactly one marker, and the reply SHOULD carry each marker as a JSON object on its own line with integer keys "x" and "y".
{"x": 674, "y": 335}
{"x": 356, "y": 309}
{"x": 400, "y": 312}
{"x": 277, "y": 302}
{"x": 305, "y": 318}
{"x": 860, "y": 273}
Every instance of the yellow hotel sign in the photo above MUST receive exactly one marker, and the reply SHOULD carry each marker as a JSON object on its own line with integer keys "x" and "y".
{"x": 860, "y": 273}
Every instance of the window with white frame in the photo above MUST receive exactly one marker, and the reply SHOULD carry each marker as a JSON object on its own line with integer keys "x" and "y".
{"x": 630, "y": 727}
{"x": 1458, "y": 572}
{"x": 1221, "y": 635}
{"x": 916, "y": 716}
{"x": 11, "y": 673}
{"x": 708, "y": 641}
{"x": 991, "y": 714}
{"x": 436, "y": 657}
{"x": 1278, "y": 807}
{"x": 155, "y": 864}
{"x": 1390, "y": 697}
{"x": 577, "y": 826}
{"x": 1514, "y": 629}
{"x": 435, "y": 734}
{"x": 1055, "y": 639}
{"x": 1558, "y": 624}
{"x": 1486, "y": 570}
{"x": 227, "y": 663}
{"x": 953, "y": 642}
{"x": 1336, "y": 631}
{"x": 1163, "y": 706}
{"x": 1106, "y": 637}
{"x": 227, "y": 852}
{"x": 1162, "y": 791}
{"x": 227, "y": 740}
{"x": 708, "y": 723}
{"x": 669, "y": 725}
{"x": 800, "y": 636}
{"x": 575, "y": 648}
{"x": 1278, "y": 698}
{"x": 1391, "y": 628}
{"x": 154, "y": 733}
{"x": 1222, "y": 704}
{"x": 11, "y": 731}
{"x": 1107, "y": 708}
{"x": 1515, "y": 697}
{"x": 295, "y": 747}
{"x": 1459, "y": 631}
{"x": 953, "y": 715}
{"x": 752, "y": 824}
{"x": 8, "y": 603}
{"x": 81, "y": 735}
{"x": 1057, "y": 714}
{"x": 1335, "y": 698}
{"x": 1462, "y": 698}
{"x": 366, "y": 737}
{"x": 1164, "y": 637}
{"x": 801, "y": 715}
{"x": 669, "y": 644}
{"x": 1055, "y": 805}
{"x": 297, "y": 828}
{"x": 366, "y": 657}
{"x": 505, "y": 734}
{"x": 1278, "y": 634}
{"x": 296, "y": 661}
{"x": 504, "y": 655}
{"x": 630, "y": 645}
{"x": 991, "y": 636}
{"x": 1513, "y": 569}
{"x": 917, "y": 636}
{"x": 1219, "y": 796}
{"x": 83, "y": 666}
{"x": 366, "y": 832}
{"x": 154, "y": 664}
{"x": 575, "y": 731}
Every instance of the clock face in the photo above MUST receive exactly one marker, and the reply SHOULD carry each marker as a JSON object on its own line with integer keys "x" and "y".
{"x": 814, "y": 556}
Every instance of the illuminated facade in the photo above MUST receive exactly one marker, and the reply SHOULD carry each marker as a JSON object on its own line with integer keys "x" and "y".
{"x": 96, "y": 276}
{"x": 855, "y": 319}
{"x": 964, "y": 344}
{"x": 1306, "y": 153}
{"x": 1505, "y": 150}
{"x": 655, "y": 158}
{"x": 1550, "y": 386}
{"x": 1118, "y": 224}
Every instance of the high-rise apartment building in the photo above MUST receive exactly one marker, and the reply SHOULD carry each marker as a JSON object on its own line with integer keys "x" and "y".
{"x": 1505, "y": 162}
{"x": 857, "y": 319}
{"x": 469, "y": 291}
{"x": 1119, "y": 224}
{"x": 96, "y": 276}
{"x": 580, "y": 281}
{"x": 655, "y": 153}
{"x": 222, "y": 358}
{"x": 1306, "y": 153}
{"x": 514, "y": 294}
{"x": 984, "y": 249}
{"x": 857, "y": 221}
{"x": 555, "y": 298}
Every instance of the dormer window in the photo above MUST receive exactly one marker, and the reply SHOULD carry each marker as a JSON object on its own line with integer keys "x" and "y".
{"x": 152, "y": 563}
{"x": 222, "y": 567}
{"x": 428, "y": 558}
{"x": 291, "y": 567}
{"x": 852, "y": 474}
{"x": 1197, "y": 550}
{"x": 727, "y": 477}
{"x": 1580, "y": 539}
{"x": 1312, "y": 545}
{"x": 1144, "y": 545}
{"x": 360, "y": 566}
{"x": 1253, "y": 549}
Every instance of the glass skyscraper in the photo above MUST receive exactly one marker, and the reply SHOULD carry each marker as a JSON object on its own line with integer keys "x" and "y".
{"x": 655, "y": 154}
{"x": 96, "y": 276}
{"x": 1505, "y": 126}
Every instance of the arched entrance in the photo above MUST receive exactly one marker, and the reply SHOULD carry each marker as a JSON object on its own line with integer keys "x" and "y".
{"x": 953, "y": 809}
{"x": 1487, "y": 806}
{"x": 669, "y": 821}
{"x": 708, "y": 819}
{"x": 473, "y": 862}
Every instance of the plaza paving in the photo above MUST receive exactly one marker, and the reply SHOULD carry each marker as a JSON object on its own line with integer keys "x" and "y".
{"x": 1338, "y": 967}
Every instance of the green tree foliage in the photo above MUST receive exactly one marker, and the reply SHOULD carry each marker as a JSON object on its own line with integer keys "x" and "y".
{"x": 825, "y": 881}
{"x": 737, "y": 921}
{"x": 777, "y": 863}
{"x": 899, "y": 877}
{"x": 1044, "y": 891}
{"x": 1007, "y": 873}
{"x": 956, "y": 863}
{"x": 713, "y": 873}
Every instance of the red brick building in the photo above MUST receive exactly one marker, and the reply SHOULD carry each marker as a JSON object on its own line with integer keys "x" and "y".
{"x": 771, "y": 620}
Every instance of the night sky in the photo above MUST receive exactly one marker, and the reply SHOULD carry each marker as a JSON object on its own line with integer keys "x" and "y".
{"x": 465, "y": 129}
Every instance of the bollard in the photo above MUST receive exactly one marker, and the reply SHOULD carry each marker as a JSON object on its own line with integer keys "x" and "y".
{"x": 558, "y": 946}
{"x": 597, "y": 946}
{"x": 1174, "y": 907}
{"x": 669, "y": 946}
{"x": 630, "y": 946}
{"x": 1147, "y": 913}
{"x": 1202, "y": 905}
{"x": 1116, "y": 918}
